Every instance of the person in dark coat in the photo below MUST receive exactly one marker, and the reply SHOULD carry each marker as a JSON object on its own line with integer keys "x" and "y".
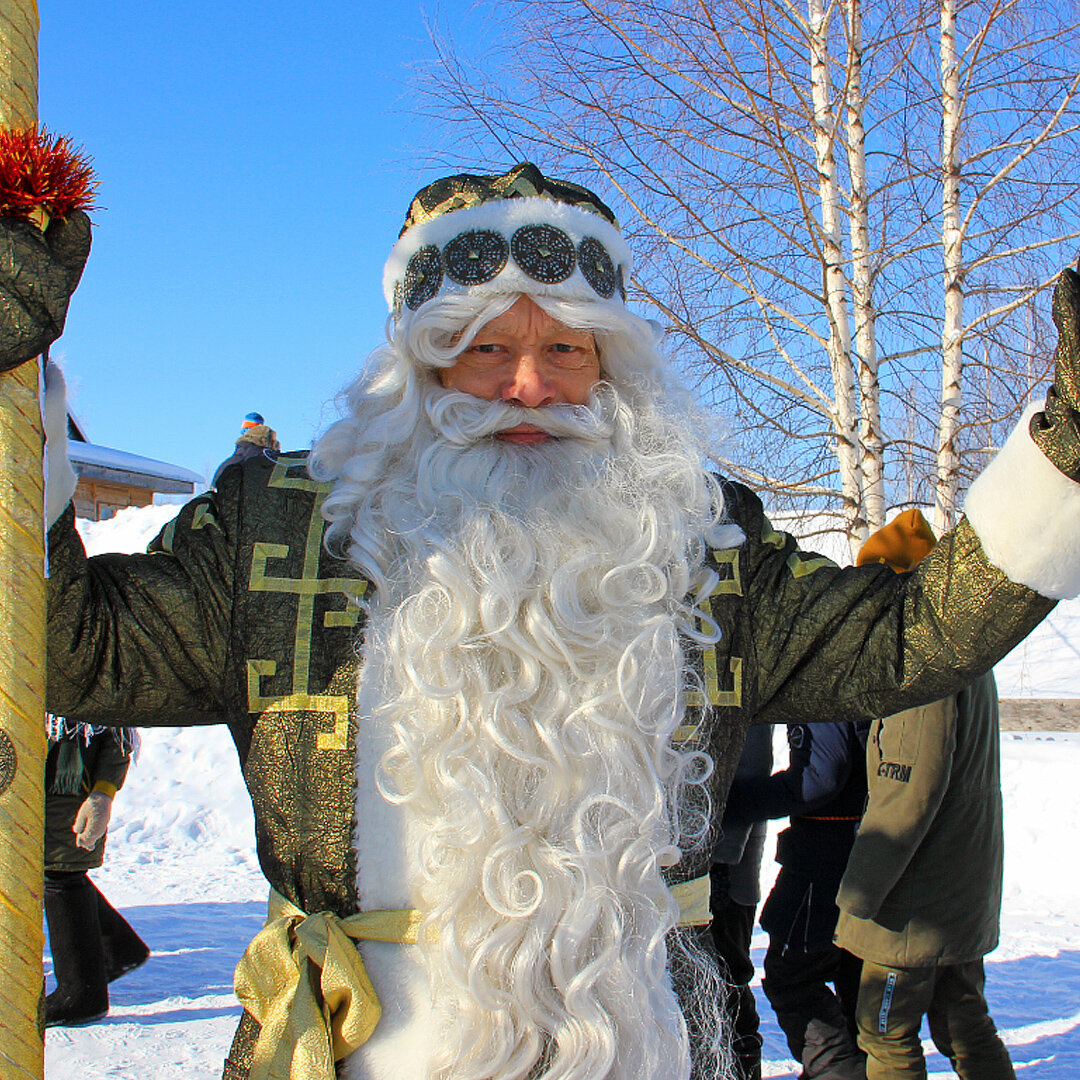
{"x": 256, "y": 439}
{"x": 823, "y": 790}
{"x": 92, "y": 944}
{"x": 735, "y": 893}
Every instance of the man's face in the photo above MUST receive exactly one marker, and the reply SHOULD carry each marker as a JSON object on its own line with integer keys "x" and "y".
{"x": 525, "y": 357}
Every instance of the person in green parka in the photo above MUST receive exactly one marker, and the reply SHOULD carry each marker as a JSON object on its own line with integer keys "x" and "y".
{"x": 92, "y": 944}
{"x": 489, "y": 653}
{"x": 920, "y": 900}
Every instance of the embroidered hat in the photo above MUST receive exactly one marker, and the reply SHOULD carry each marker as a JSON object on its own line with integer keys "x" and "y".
{"x": 902, "y": 544}
{"x": 519, "y": 231}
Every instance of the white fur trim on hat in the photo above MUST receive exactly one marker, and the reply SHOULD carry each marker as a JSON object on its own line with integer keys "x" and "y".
{"x": 505, "y": 217}
{"x": 1026, "y": 514}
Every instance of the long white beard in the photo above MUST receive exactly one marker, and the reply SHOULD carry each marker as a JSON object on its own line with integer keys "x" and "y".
{"x": 523, "y": 678}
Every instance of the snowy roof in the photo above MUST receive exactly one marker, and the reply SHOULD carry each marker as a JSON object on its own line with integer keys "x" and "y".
{"x": 104, "y": 463}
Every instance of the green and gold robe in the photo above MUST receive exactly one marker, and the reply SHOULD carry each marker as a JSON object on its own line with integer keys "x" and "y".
{"x": 239, "y": 615}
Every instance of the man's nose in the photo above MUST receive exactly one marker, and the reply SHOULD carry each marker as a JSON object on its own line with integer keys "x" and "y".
{"x": 529, "y": 385}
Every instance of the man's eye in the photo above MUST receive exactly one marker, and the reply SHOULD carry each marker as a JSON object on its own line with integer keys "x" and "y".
{"x": 564, "y": 355}
{"x": 485, "y": 352}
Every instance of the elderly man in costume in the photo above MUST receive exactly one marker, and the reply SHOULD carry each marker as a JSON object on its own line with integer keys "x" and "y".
{"x": 490, "y": 651}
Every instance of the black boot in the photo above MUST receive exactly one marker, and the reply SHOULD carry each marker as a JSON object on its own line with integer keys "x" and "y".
{"x": 82, "y": 992}
{"x": 831, "y": 1053}
{"x": 124, "y": 949}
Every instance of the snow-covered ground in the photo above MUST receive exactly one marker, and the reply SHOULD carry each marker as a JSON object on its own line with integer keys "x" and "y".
{"x": 181, "y": 865}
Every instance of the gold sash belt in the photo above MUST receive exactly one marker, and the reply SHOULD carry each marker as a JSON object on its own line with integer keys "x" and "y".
{"x": 303, "y": 979}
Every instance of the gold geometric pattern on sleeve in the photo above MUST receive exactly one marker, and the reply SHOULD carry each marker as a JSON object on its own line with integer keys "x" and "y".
{"x": 305, "y": 588}
{"x": 202, "y": 515}
{"x": 167, "y": 536}
{"x": 801, "y": 566}
{"x": 290, "y": 471}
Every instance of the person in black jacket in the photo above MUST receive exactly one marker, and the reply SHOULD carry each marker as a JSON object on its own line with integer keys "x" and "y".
{"x": 91, "y": 943}
{"x": 735, "y": 892}
{"x": 823, "y": 789}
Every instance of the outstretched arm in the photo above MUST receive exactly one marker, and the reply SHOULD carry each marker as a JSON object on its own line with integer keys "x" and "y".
{"x": 865, "y": 642}
{"x": 141, "y": 640}
{"x": 861, "y": 642}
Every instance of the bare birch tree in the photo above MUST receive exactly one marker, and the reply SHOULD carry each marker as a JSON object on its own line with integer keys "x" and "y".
{"x": 846, "y": 210}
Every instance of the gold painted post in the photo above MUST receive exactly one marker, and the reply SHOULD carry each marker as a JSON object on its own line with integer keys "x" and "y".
{"x": 22, "y": 632}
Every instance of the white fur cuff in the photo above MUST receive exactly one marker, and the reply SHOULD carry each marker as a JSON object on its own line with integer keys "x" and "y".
{"x": 60, "y": 478}
{"x": 1026, "y": 514}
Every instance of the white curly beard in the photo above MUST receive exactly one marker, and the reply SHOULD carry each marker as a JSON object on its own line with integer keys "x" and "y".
{"x": 523, "y": 677}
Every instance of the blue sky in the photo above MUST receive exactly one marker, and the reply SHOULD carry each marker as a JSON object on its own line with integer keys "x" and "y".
{"x": 256, "y": 161}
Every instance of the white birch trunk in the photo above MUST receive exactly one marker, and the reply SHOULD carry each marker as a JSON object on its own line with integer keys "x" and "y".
{"x": 952, "y": 238}
{"x": 871, "y": 442}
{"x": 845, "y": 409}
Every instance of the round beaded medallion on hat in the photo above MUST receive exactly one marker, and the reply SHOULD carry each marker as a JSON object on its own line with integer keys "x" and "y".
{"x": 544, "y": 253}
{"x": 8, "y": 762}
{"x": 597, "y": 266}
{"x": 423, "y": 276}
{"x": 473, "y": 258}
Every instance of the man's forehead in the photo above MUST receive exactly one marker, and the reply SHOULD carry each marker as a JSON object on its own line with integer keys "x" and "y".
{"x": 525, "y": 315}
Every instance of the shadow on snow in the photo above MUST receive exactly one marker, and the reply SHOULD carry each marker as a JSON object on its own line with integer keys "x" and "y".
{"x": 1035, "y": 1001}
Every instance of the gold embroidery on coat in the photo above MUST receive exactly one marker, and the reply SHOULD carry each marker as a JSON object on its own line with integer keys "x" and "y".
{"x": 167, "y": 536}
{"x": 305, "y": 588}
{"x": 801, "y": 566}
{"x": 769, "y": 535}
{"x": 201, "y": 517}
{"x": 713, "y": 694}
{"x": 204, "y": 516}
{"x": 730, "y": 586}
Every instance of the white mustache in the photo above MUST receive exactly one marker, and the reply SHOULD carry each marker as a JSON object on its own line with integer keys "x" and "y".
{"x": 463, "y": 419}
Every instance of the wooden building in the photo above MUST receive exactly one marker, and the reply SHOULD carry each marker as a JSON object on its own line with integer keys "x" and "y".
{"x": 109, "y": 480}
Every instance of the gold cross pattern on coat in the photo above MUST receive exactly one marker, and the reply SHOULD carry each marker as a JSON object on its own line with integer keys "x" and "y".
{"x": 305, "y": 588}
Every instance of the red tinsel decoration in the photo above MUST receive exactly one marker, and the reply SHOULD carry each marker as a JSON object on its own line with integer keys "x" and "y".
{"x": 39, "y": 171}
